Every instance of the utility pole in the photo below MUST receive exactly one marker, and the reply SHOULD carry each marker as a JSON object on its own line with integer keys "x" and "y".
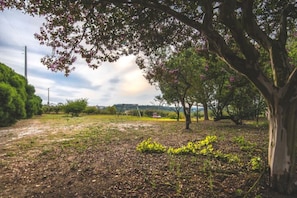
{"x": 48, "y": 96}
{"x": 26, "y": 62}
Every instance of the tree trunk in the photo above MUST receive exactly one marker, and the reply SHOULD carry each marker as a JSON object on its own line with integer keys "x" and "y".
{"x": 197, "y": 114}
{"x": 187, "y": 112}
{"x": 188, "y": 120}
{"x": 205, "y": 110}
{"x": 282, "y": 150}
{"x": 178, "y": 115}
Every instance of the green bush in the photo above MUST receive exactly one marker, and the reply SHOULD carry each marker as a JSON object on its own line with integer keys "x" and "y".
{"x": 12, "y": 106}
{"x": 75, "y": 107}
{"x": 17, "y": 97}
{"x": 91, "y": 110}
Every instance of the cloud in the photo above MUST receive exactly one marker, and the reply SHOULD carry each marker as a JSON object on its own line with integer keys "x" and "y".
{"x": 112, "y": 83}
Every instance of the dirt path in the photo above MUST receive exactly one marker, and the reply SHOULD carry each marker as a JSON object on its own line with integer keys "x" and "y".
{"x": 32, "y": 127}
{"x": 21, "y": 129}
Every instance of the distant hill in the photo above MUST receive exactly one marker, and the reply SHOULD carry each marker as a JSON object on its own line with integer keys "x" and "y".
{"x": 125, "y": 107}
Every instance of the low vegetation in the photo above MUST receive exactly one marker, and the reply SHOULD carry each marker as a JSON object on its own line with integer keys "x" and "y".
{"x": 123, "y": 156}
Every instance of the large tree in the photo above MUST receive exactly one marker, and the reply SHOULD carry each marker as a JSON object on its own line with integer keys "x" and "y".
{"x": 235, "y": 30}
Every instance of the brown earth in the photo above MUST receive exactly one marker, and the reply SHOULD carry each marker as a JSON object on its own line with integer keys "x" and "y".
{"x": 97, "y": 157}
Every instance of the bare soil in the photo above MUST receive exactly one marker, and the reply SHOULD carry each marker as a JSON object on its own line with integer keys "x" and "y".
{"x": 97, "y": 157}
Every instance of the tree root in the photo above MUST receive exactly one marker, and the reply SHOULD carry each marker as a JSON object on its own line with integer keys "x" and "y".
{"x": 254, "y": 185}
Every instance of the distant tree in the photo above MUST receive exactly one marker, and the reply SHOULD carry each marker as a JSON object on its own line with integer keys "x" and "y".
{"x": 75, "y": 107}
{"x": 91, "y": 110}
{"x": 58, "y": 107}
{"x": 112, "y": 110}
{"x": 171, "y": 100}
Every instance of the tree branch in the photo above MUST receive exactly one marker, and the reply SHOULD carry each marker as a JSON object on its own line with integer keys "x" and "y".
{"x": 228, "y": 17}
{"x": 252, "y": 27}
{"x": 179, "y": 16}
{"x": 291, "y": 87}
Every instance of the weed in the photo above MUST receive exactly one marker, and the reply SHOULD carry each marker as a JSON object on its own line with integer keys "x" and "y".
{"x": 26, "y": 144}
{"x": 175, "y": 169}
{"x": 3, "y": 163}
{"x": 10, "y": 154}
{"x": 238, "y": 193}
{"x": 179, "y": 187}
{"x": 149, "y": 146}
{"x": 46, "y": 151}
{"x": 256, "y": 163}
{"x": 207, "y": 168}
{"x": 203, "y": 147}
{"x": 244, "y": 145}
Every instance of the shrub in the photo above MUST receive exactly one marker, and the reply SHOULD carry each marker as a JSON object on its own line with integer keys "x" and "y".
{"x": 203, "y": 147}
{"x": 75, "y": 107}
{"x": 91, "y": 110}
{"x": 149, "y": 146}
{"x": 256, "y": 163}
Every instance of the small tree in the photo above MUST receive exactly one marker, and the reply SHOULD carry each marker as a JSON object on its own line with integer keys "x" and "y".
{"x": 112, "y": 110}
{"x": 178, "y": 79}
{"x": 75, "y": 107}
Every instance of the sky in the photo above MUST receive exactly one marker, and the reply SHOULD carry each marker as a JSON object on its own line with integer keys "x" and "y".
{"x": 121, "y": 82}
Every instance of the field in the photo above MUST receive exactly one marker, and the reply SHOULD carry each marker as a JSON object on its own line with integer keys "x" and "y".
{"x": 96, "y": 156}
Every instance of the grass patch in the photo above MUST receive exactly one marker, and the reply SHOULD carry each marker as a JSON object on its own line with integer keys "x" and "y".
{"x": 95, "y": 156}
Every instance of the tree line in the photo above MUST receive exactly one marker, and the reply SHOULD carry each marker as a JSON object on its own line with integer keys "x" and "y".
{"x": 17, "y": 97}
{"x": 191, "y": 77}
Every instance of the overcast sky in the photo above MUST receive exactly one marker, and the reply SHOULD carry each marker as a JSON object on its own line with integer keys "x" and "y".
{"x": 111, "y": 83}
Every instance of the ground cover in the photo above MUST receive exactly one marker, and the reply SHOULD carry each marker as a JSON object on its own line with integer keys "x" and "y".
{"x": 114, "y": 156}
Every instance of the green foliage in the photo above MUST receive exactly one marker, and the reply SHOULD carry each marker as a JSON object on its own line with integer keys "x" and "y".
{"x": 256, "y": 163}
{"x": 178, "y": 78}
{"x": 75, "y": 107}
{"x": 91, "y": 110}
{"x": 12, "y": 105}
{"x": 17, "y": 98}
{"x": 149, "y": 146}
{"x": 203, "y": 147}
{"x": 110, "y": 110}
{"x": 244, "y": 144}
{"x": 33, "y": 103}
{"x": 173, "y": 115}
